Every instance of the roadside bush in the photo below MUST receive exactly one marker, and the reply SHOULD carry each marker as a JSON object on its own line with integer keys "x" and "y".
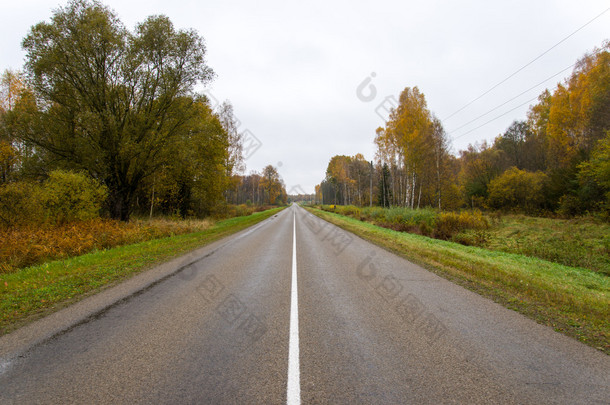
{"x": 448, "y": 224}
{"x": 424, "y": 221}
{"x": 70, "y": 196}
{"x": 518, "y": 190}
{"x": 569, "y": 206}
{"x": 396, "y": 215}
{"x": 426, "y": 229}
{"x": 409, "y": 220}
{"x": 373, "y": 213}
{"x": 20, "y": 203}
{"x": 349, "y": 210}
{"x": 63, "y": 197}
{"x": 226, "y": 211}
{"x": 419, "y": 217}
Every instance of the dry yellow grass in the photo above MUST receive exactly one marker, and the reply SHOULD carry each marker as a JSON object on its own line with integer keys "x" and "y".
{"x": 29, "y": 245}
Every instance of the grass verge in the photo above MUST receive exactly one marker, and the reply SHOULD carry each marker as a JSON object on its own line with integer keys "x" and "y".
{"x": 30, "y": 293}
{"x": 572, "y": 300}
{"x": 577, "y": 242}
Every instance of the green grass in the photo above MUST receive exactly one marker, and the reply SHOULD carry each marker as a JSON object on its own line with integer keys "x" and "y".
{"x": 579, "y": 242}
{"x": 35, "y": 291}
{"x": 574, "y": 301}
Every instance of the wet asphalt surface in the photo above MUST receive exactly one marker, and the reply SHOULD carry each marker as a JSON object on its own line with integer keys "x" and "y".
{"x": 374, "y": 328}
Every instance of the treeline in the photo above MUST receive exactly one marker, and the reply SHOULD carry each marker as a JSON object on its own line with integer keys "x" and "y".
{"x": 557, "y": 160}
{"x": 262, "y": 188}
{"x": 116, "y": 111}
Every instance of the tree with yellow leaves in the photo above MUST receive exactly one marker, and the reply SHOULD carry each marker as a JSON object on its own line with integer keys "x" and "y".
{"x": 415, "y": 147}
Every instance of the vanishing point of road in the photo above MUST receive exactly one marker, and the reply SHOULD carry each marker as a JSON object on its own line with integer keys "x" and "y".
{"x": 294, "y": 310}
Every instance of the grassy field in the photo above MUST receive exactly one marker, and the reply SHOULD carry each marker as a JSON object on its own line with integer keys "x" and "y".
{"x": 572, "y": 300}
{"x": 579, "y": 242}
{"x": 29, "y": 293}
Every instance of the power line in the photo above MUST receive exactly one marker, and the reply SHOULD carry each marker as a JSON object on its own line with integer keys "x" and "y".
{"x": 508, "y": 101}
{"x": 493, "y": 119}
{"x": 527, "y": 64}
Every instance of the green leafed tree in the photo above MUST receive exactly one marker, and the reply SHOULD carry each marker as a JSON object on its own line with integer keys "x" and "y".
{"x": 198, "y": 163}
{"x": 594, "y": 178}
{"x": 111, "y": 101}
{"x": 479, "y": 166}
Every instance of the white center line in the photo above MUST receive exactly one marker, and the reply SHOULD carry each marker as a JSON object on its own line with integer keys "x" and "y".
{"x": 293, "y": 396}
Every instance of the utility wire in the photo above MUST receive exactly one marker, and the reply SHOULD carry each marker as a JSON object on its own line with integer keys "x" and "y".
{"x": 493, "y": 119}
{"x": 508, "y": 101}
{"x": 527, "y": 64}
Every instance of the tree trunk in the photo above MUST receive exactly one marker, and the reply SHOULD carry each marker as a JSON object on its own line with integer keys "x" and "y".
{"x": 413, "y": 191}
{"x": 371, "y": 187}
{"x": 120, "y": 197}
{"x": 438, "y": 177}
{"x": 152, "y": 200}
{"x": 119, "y": 206}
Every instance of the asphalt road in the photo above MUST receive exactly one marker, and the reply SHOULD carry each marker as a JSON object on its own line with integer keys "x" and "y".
{"x": 215, "y": 327}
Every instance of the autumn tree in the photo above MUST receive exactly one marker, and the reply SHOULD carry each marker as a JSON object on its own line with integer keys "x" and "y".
{"x": 251, "y": 189}
{"x": 348, "y": 180}
{"x": 361, "y": 173}
{"x": 195, "y": 176}
{"x": 234, "y": 162}
{"x": 415, "y": 147}
{"x": 442, "y": 173}
{"x": 259, "y": 188}
{"x": 571, "y": 121}
{"x": 326, "y": 192}
{"x": 538, "y": 114}
{"x": 11, "y": 89}
{"x": 21, "y": 158}
{"x": 273, "y": 185}
{"x": 12, "y": 85}
{"x": 337, "y": 174}
{"x": 318, "y": 197}
{"x": 111, "y": 101}
{"x": 235, "y": 159}
{"x": 579, "y": 112}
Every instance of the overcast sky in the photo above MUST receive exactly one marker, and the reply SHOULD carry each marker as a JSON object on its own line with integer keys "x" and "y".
{"x": 292, "y": 70}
